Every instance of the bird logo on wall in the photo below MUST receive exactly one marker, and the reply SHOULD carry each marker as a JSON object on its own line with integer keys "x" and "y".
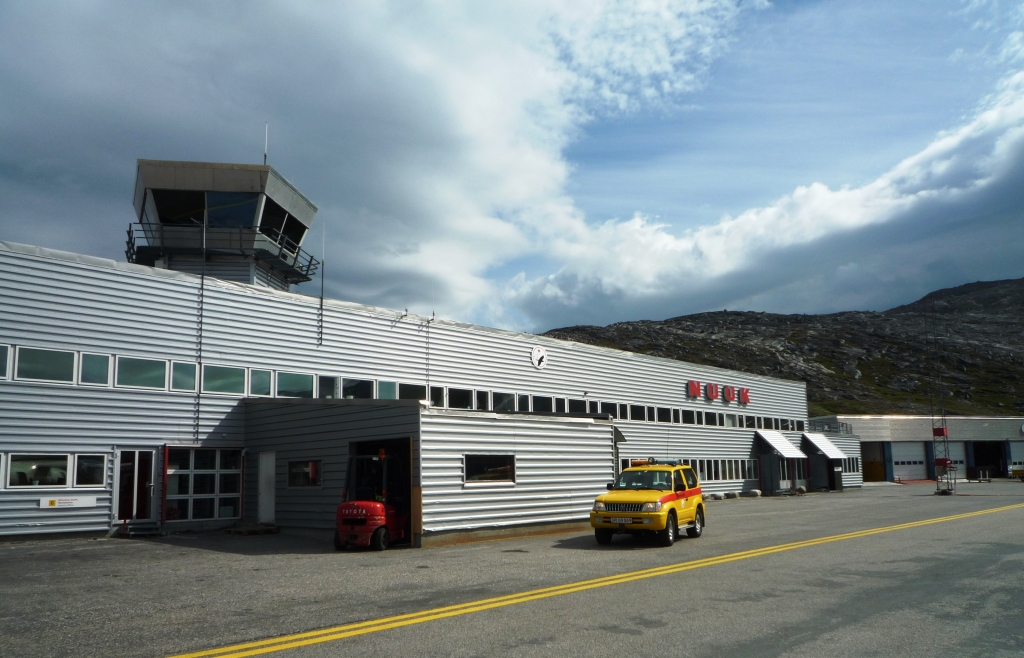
{"x": 539, "y": 356}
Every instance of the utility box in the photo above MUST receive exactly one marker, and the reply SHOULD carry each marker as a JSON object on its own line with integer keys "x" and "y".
{"x": 836, "y": 480}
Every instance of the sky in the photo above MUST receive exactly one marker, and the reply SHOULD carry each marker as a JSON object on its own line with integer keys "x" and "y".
{"x": 539, "y": 164}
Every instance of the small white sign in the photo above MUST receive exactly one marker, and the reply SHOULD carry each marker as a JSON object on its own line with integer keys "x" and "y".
{"x": 60, "y": 502}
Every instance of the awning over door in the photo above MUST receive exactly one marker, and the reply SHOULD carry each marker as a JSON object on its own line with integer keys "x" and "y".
{"x": 779, "y": 441}
{"x": 823, "y": 444}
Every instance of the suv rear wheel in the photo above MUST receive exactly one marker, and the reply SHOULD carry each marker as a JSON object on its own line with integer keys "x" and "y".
{"x": 667, "y": 537}
{"x": 603, "y": 535}
{"x": 698, "y": 525}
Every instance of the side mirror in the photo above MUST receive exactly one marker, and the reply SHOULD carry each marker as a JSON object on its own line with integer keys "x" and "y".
{"x": 610, "y": 485}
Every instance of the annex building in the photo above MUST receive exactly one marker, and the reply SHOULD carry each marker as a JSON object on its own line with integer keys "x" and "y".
{"x": 189, "y": 388}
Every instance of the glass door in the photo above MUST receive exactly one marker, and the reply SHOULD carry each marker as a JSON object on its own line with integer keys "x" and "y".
{"x": 135, "y": 485}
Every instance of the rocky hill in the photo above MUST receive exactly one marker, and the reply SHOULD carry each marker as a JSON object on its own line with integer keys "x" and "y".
{"x": 965, "y": 344}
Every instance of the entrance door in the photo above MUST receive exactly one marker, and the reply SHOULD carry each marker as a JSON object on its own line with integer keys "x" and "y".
{"x": 135, "y": 485}
{"x": 268, "y": 482}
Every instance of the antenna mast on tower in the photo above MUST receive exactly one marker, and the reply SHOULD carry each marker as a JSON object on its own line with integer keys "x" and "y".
{"x": 945, "y": 470}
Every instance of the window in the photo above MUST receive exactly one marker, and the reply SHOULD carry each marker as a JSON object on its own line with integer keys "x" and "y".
{"x": 231, "y": 209}
{"x": 700, "y": 417}
{"x": 3, "y": 361}
{"x": 691, "y": 479}
{"x": 259, "y": 382}
{"x": 650, "y": 414}
{"x": 482, "y": 401}
{"x": 593, "y": 407}
{"x": 523, "y": 403}
{"x": 460, "y": 398}
{"x": 623, "y": 411}
{"x": 577, "y": 406}
{"x": 387, "y": 391}
{"x": 327, "y": 387}
{"x": 730, "y": 420}
{"x": 490, "y": 468}
{"x": 675, "y": 416}
{"x": 90, "y": 470}
{"x": 799, "y": 426}
{"x": 141, "y": 373}
{"x": 758, "y": 419}
{"x": 412, "y": 392}
{"x": 775, "y": 422}
{"x": 768, "y": 424}
{"x": 559, "y": 405}
{"x": 664, "y": 415}
{"x": 93, "y": 369}
{"x": 46, "y": 365}
{"x": 183, "y": 377}
{"x": 749, "y": 421}
{"x": 504, "y": 402}
{"x": 437, "y": 396}
{"x": 785, "y": 424}
{"x": 203, "y": 483}
{"x": 291, "y": 385}
{"x": 305, "y": 473}
{"x": 610, "y": 408}
{"x": 358, "y": 389}
{"x": 710, "y": 418}
{"x": 688, "y": 417}
{"x": 221, "y": 379}
{"x": 38, "y": 470}
{"x": 637, "y": 412}
{"x": 543, "y": 404}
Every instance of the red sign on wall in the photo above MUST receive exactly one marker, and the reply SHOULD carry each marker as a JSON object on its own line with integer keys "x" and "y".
{"x": 713, "y": 391}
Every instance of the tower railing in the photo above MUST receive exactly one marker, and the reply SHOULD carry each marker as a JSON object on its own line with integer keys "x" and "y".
{"x": 150, "y": 242}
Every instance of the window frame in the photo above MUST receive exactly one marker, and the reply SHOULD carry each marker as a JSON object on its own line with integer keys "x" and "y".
{"x": 195, "y": 378}
{"x": 217, "y": 471}
{"x": 8, "y": 360}
{"x": 466, "y": 483}
{"x": 110, "y": 370}
{"x": 248, "y": 383}
{"x": 117, "y": 370}
{"x": 102, "y": 485}
{"x": 277, "y": 385}
{"x": 68, "y": 474}
{"x": 301, "y": 487}
{"x": 245, "y": 380}
{"x": 65, "y": 382}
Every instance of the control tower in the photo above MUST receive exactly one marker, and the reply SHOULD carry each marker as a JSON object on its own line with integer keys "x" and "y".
{"x": 237, "y": 222}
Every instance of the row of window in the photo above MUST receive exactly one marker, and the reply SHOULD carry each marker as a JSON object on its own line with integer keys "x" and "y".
{"x": 909, "y": 462}
{"x": 33, "y": 364}
{"x": 851, "y": 465}
{"x": 61, "y": 470}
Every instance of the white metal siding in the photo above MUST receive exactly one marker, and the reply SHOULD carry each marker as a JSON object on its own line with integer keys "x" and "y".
{"x": 561, "y": 465}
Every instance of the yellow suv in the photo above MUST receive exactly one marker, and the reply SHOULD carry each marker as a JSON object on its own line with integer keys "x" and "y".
{"x": 656, "y": 497}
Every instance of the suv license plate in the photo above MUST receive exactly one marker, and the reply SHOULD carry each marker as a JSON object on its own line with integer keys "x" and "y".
{"x": 618, "y": 520}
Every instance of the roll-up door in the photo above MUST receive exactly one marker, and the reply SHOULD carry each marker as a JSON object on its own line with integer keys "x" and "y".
{"x": 1016, "y": 455}
{"x": 908, "y": 460}
{"x": 959, "y": 458}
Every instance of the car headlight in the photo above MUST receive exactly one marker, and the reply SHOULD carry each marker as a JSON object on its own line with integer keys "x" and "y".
{"x": 652, "y": 507}
{"x": 598, "y": 506}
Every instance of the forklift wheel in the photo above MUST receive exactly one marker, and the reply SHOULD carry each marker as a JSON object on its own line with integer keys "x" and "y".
{"x": 380, "y": 539}
{"x": 337, "y": 541}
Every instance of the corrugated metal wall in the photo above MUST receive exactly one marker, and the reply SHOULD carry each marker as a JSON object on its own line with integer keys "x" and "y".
{"x": 316, "y": 429}
{"x": 72, "y": 302}
{"x": 561, "y": 464}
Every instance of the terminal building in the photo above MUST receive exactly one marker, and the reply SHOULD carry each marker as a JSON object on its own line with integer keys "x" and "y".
{"x": 188, "y": 388}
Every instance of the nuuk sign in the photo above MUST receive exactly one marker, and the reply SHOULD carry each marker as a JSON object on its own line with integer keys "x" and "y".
{"x": 716, "y": 391}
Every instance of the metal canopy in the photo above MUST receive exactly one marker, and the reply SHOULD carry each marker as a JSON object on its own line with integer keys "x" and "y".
{"x": 779, "y": 441}
{"x": 823, "y": 444}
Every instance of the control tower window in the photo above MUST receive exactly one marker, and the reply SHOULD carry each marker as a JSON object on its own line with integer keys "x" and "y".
{"x": 293, "y": 232}
{"x": 179, "y": 206}
{"x": 231, "y": 209}
{"x": 272, "y": 223}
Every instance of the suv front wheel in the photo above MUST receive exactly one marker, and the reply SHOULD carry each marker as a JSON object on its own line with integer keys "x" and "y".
{"x": 667, "y": 537}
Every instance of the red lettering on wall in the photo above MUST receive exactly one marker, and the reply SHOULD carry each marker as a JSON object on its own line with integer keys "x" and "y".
{"x": 693, "y": 389}
{"x": 729, "y": 393}
{"x": 711, "y": 391}
{"x": 744, "y": 396}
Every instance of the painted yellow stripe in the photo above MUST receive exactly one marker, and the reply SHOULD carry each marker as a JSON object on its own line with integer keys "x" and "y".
{"x": 376, "y": 625}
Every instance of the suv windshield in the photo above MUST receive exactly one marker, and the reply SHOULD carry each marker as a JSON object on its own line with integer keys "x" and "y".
{"x": 660, "y": 480}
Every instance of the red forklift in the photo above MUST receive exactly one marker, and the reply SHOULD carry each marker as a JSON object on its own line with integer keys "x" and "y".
{"x": 375, "y": 507}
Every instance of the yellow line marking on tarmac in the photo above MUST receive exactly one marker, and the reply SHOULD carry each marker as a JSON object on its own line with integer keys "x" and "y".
{"x": 331, "y": 634}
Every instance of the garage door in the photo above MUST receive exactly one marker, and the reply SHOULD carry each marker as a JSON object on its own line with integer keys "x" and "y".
{"x": 959, "y": 457}
{"x": 1017, "y": 455}
{"x": 908, "y": 461}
